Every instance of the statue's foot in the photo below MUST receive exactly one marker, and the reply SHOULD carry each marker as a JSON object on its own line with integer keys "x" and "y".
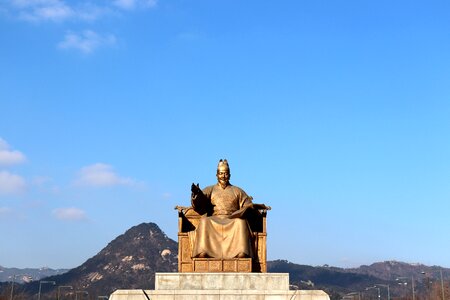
{"x": 241, "y": 255}
{"x": 202, "y": 255}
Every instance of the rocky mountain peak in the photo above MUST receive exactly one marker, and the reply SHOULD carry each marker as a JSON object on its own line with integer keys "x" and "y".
{"x": 129, "y": 261}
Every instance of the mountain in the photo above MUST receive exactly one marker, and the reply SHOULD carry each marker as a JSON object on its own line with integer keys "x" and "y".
{"x": 390, "y": 270}
{"x": 131, "y": 260}
{"x": 128, "y": 262}
{"x": 340, "y": 281}
{"x": 335, "y": 281}
{"x": 6, "y": 274}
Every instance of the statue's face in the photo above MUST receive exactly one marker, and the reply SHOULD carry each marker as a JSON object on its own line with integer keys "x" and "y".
{"x": 223, "y": 176}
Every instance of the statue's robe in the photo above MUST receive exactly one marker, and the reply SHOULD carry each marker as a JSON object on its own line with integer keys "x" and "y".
{"x": 220, "y": 234}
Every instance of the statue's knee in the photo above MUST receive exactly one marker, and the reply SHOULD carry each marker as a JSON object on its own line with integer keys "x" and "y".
{"x": 202, "y": 255}
{"x": 241, "y": 255}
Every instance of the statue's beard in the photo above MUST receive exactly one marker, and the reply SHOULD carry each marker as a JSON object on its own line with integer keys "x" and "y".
{"x": 223, "y": 183}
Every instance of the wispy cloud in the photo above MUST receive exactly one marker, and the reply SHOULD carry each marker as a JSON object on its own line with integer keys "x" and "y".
{"x": 8, "y": 156}
{"x": 42, "y": 10}
{"x": 84, "y": 11}
{"x": 86, "y": 41}
{"x": 133, "y": 4}
{"x": 60, "y": 10}
{"x": 11, "y": 183}
{"x": 101, "y": 175}
{"x": 91, "y": 12}
{"x": 69, "y": 214}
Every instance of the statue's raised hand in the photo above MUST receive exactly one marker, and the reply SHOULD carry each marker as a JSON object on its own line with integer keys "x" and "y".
{"x": 195, "y": 189}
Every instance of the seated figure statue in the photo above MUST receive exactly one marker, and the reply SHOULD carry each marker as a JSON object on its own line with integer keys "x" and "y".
{"x": 222, "y": 231}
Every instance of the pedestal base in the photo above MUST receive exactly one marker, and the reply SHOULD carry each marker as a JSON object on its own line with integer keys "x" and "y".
{"x": 220, "y": 286}
{"x": 205, "y": 265}
{"x": 219, "y": 295}
{"x": 221, "y": 281}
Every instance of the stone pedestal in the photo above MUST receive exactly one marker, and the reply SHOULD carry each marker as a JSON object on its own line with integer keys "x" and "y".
{"x": 220, "y": 286}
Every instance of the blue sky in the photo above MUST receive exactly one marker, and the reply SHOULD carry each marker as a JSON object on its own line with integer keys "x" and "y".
{"x": 335, "y": 113}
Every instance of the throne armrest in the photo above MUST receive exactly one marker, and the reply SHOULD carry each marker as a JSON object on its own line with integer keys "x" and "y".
{"x": 261, "y": 207}
{"x": 257, "y": 217}
{"x": 188, "y": 218}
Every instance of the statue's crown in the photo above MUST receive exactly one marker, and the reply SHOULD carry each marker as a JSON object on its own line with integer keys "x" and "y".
{"x": 223, "y": 163}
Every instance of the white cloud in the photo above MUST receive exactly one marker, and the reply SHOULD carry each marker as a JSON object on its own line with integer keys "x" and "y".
{"x": 54, "y": 13}
{"x": 87, "y": 41}
{"x": 101, "y": 175}
{"x": 69, "y": 214}
{"x": 61, "y": 10}
{"x": 11, "y": 183}
{"x": 43, "y": 10}
{"x": 91, "y": 12}
{"x": 125, "y": 4}
{"x": 132, "y": 4}
{"x": 8, "y": 156}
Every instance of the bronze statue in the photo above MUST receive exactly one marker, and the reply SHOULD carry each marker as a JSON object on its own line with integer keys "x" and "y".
{"x": 222, "y": 231}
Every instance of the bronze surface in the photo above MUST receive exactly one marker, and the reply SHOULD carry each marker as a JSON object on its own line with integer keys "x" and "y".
{"x": 222, "y": 227}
